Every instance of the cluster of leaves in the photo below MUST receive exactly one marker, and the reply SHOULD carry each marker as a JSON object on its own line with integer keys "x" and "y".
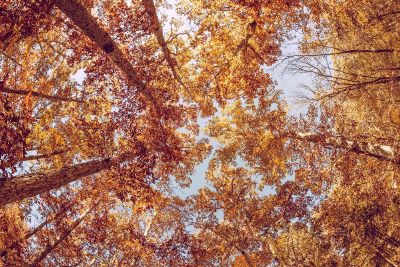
{"x": 21, "y": 19}
{"x": 14, "y": 130}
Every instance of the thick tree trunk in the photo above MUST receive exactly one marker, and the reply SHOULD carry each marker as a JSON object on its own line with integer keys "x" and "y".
{"x": 40, "y": 95}
{"x": 29, "y": 185}
{"x": 76, "y": 12}
{"x": 378, "y": 151}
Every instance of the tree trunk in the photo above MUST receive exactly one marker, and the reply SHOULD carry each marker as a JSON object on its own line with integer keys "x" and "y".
{"x": 29, "y": 185}
{"x": 378, "y": 151}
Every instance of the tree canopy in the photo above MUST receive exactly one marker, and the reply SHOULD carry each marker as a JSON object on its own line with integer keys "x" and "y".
{"x": 110, "y": 108}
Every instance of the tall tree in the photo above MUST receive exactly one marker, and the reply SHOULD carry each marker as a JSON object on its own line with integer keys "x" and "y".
{"x": 109, "y": 104}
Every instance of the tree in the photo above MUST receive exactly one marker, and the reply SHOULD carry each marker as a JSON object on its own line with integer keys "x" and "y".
{"x": 108, "y": 107}
{"x": 353, "y": 51}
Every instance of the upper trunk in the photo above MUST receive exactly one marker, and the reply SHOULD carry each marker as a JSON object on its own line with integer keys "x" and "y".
{"x": 88, "y": 24}
{"x": 158, "y": 32}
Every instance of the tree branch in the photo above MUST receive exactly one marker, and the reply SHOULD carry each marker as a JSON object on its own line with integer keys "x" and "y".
{"x": 62, "y": 237}
{"x": 158, "y": 32}
{"x": 34, "y": 231}
{"x": 378, "y": 151}
{"x": 40, "y": 95}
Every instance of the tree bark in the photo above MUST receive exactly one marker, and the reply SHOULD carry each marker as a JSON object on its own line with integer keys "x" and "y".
{"x": 29, "y": 185}
{"x": 378, "y": 151}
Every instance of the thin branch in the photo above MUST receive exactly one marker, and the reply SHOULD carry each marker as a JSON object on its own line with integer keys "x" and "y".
{"x": 381, "y": 80}
{"x": 40, "y": 95}
{"x": 62, "y": 237}
{"x": 352, "y": 51}
{"x": 244, "y": 254}
{"x": 36, "y": 157}
{"x": 43, "y": 156}
{"x": 37, "y": 229}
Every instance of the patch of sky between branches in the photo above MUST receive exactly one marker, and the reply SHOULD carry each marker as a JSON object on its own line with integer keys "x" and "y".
{"x": 291, "y": 84}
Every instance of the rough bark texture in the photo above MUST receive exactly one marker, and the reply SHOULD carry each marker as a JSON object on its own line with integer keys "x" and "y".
{"x": 378, "y": 151}
{"x": 40, "y": 95}
{"x": 29, "y": 185}
{"x": 76, "y": 12}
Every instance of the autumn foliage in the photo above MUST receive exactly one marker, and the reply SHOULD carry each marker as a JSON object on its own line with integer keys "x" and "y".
{"x": 112, "y": 110}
